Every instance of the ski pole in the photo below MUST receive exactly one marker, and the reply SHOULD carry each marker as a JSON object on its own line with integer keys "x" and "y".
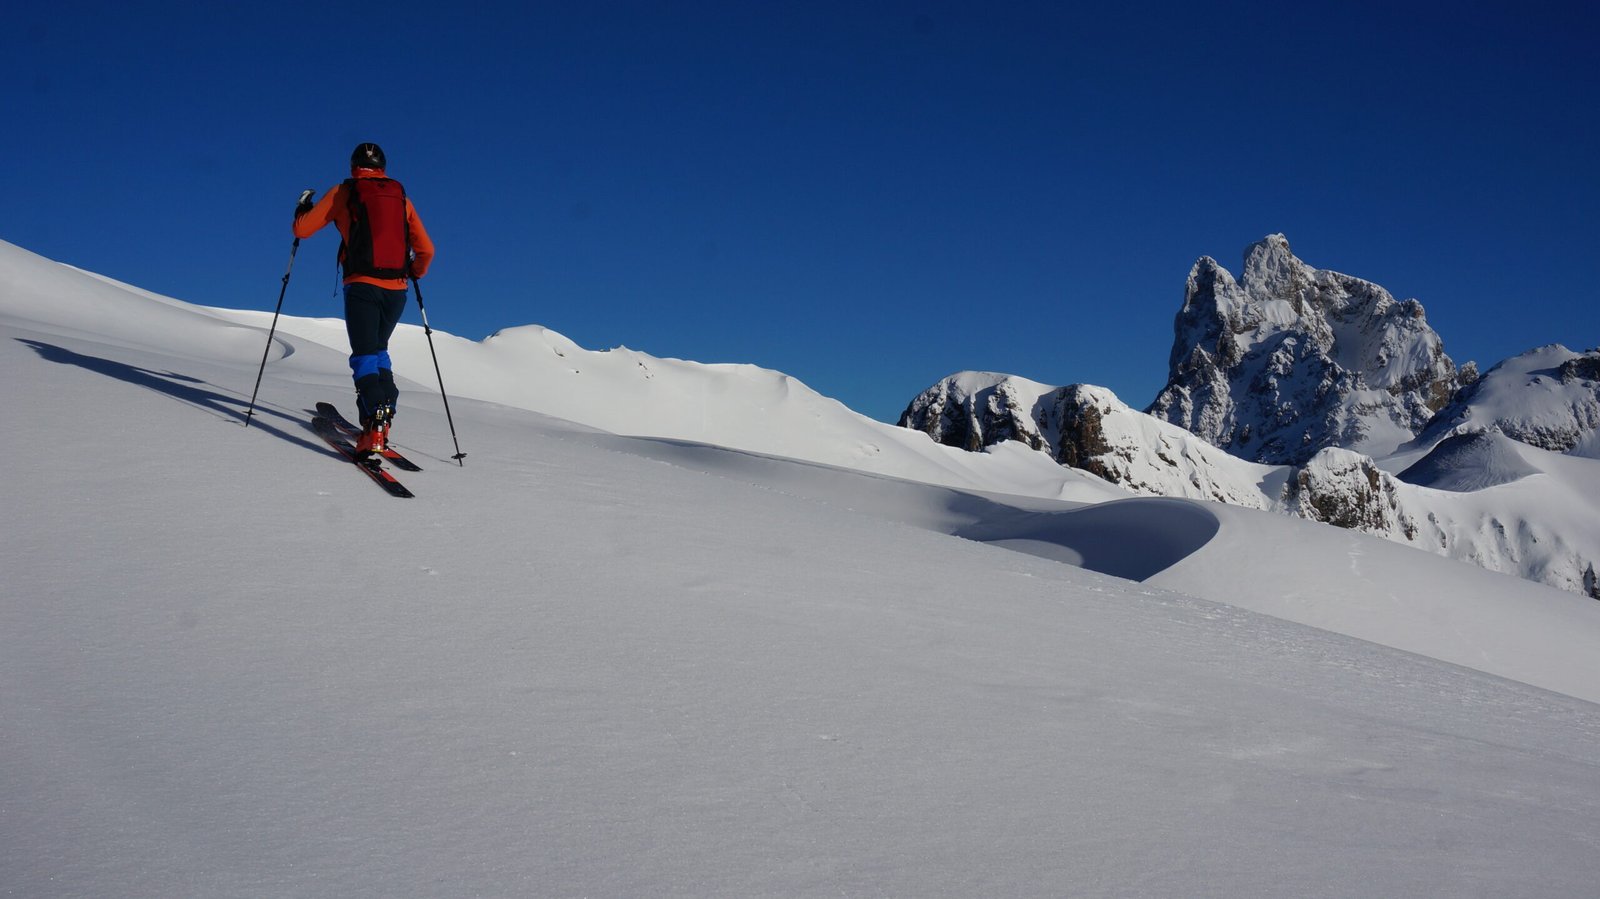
{"x": 459, "y": 456}
{"x": 292, "y": 250}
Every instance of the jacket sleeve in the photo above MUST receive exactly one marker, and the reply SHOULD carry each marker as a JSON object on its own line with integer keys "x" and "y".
{"x": 421, "y": 244}
{"x": 318, "y": 216}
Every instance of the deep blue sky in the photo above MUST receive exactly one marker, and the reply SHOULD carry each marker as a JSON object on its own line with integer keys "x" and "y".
{"x": 867, "y": 196}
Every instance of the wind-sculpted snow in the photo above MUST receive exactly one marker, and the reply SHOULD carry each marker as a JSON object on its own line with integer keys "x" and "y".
{"x": 1127, "y": 538}
{"x": 1468, "y": 462}
{"x": 1132, "y": 538}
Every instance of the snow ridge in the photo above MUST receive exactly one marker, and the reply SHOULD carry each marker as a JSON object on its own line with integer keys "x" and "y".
{"x": 1548, "y": 397}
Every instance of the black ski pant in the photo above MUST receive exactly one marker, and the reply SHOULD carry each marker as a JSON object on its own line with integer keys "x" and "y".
{"x": 370, "y": 316}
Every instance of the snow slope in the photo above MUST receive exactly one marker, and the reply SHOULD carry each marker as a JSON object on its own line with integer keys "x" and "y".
{"x": 591, "y": 664}
{"x": 1469, "y": 462}
{"x": 738, "y": 406}
{"x": 1548, "y": 397}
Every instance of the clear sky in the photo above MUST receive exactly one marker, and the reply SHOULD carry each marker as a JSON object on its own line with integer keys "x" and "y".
{"x": 865, "y": 195}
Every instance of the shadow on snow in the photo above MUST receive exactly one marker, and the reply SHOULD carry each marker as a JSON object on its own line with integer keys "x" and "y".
{"x": 189, "y": 390}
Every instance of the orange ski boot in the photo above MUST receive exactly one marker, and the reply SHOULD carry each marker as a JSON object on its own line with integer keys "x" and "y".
{"x": 374, "y": 438}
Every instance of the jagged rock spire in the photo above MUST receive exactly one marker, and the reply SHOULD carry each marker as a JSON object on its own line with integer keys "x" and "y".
{"x": 1290, "y": 359}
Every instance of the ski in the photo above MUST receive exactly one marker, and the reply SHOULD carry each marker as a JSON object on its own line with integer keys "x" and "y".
{"x": 331, "y": 412}
{"x": 335, "y": 437}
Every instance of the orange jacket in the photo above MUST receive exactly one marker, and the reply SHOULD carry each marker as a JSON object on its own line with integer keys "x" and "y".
{"x": 333, "y": 208}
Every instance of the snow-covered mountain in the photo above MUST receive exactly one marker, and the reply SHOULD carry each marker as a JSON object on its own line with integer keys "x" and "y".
{"x": 1547, "y": 397}
{"x": 1086, "y": 428}
{"x": 1365, "y": 371}
{"x": 1289, "y": 360}
{"x": 1506, "y": 506}
{"x": 585, "y": 663}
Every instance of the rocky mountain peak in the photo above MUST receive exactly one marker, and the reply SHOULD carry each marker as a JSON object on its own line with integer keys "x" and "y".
{"x": 1290, "y": 359}
{"x": 1271, "y": 271}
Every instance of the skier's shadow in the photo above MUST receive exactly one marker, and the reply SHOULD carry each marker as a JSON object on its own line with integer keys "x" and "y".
{"x": 183, "y": 388}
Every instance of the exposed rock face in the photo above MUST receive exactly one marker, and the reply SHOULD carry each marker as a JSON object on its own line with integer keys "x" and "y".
{"x": 1083, "y": 427}
{"x": 972, "y": 410}
{"x": 1094, "y": 431}
{"x": 1080, "y": 422}
{"x": 1348, "y": 490}
{"x": 1289, "y": 360}
{"x": 1548, "y": 397}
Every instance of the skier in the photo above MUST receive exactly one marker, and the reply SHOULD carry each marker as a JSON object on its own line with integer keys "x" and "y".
{"x": 383, "y": 244}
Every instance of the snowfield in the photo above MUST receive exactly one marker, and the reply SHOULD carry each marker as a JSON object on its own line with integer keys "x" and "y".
{"x": 687, "y": 630}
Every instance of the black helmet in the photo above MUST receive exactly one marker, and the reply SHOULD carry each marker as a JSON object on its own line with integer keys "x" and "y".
{"x": 367, "y": 156}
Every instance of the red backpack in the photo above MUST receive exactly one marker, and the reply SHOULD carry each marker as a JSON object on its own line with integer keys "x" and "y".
{"x": 379, "y": 243}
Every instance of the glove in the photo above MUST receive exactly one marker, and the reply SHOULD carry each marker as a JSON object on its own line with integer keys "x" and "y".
{"x": 305, "y": 203}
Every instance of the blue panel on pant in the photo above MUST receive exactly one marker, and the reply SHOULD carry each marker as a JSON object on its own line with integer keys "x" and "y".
{"x": 365, "y": 365}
